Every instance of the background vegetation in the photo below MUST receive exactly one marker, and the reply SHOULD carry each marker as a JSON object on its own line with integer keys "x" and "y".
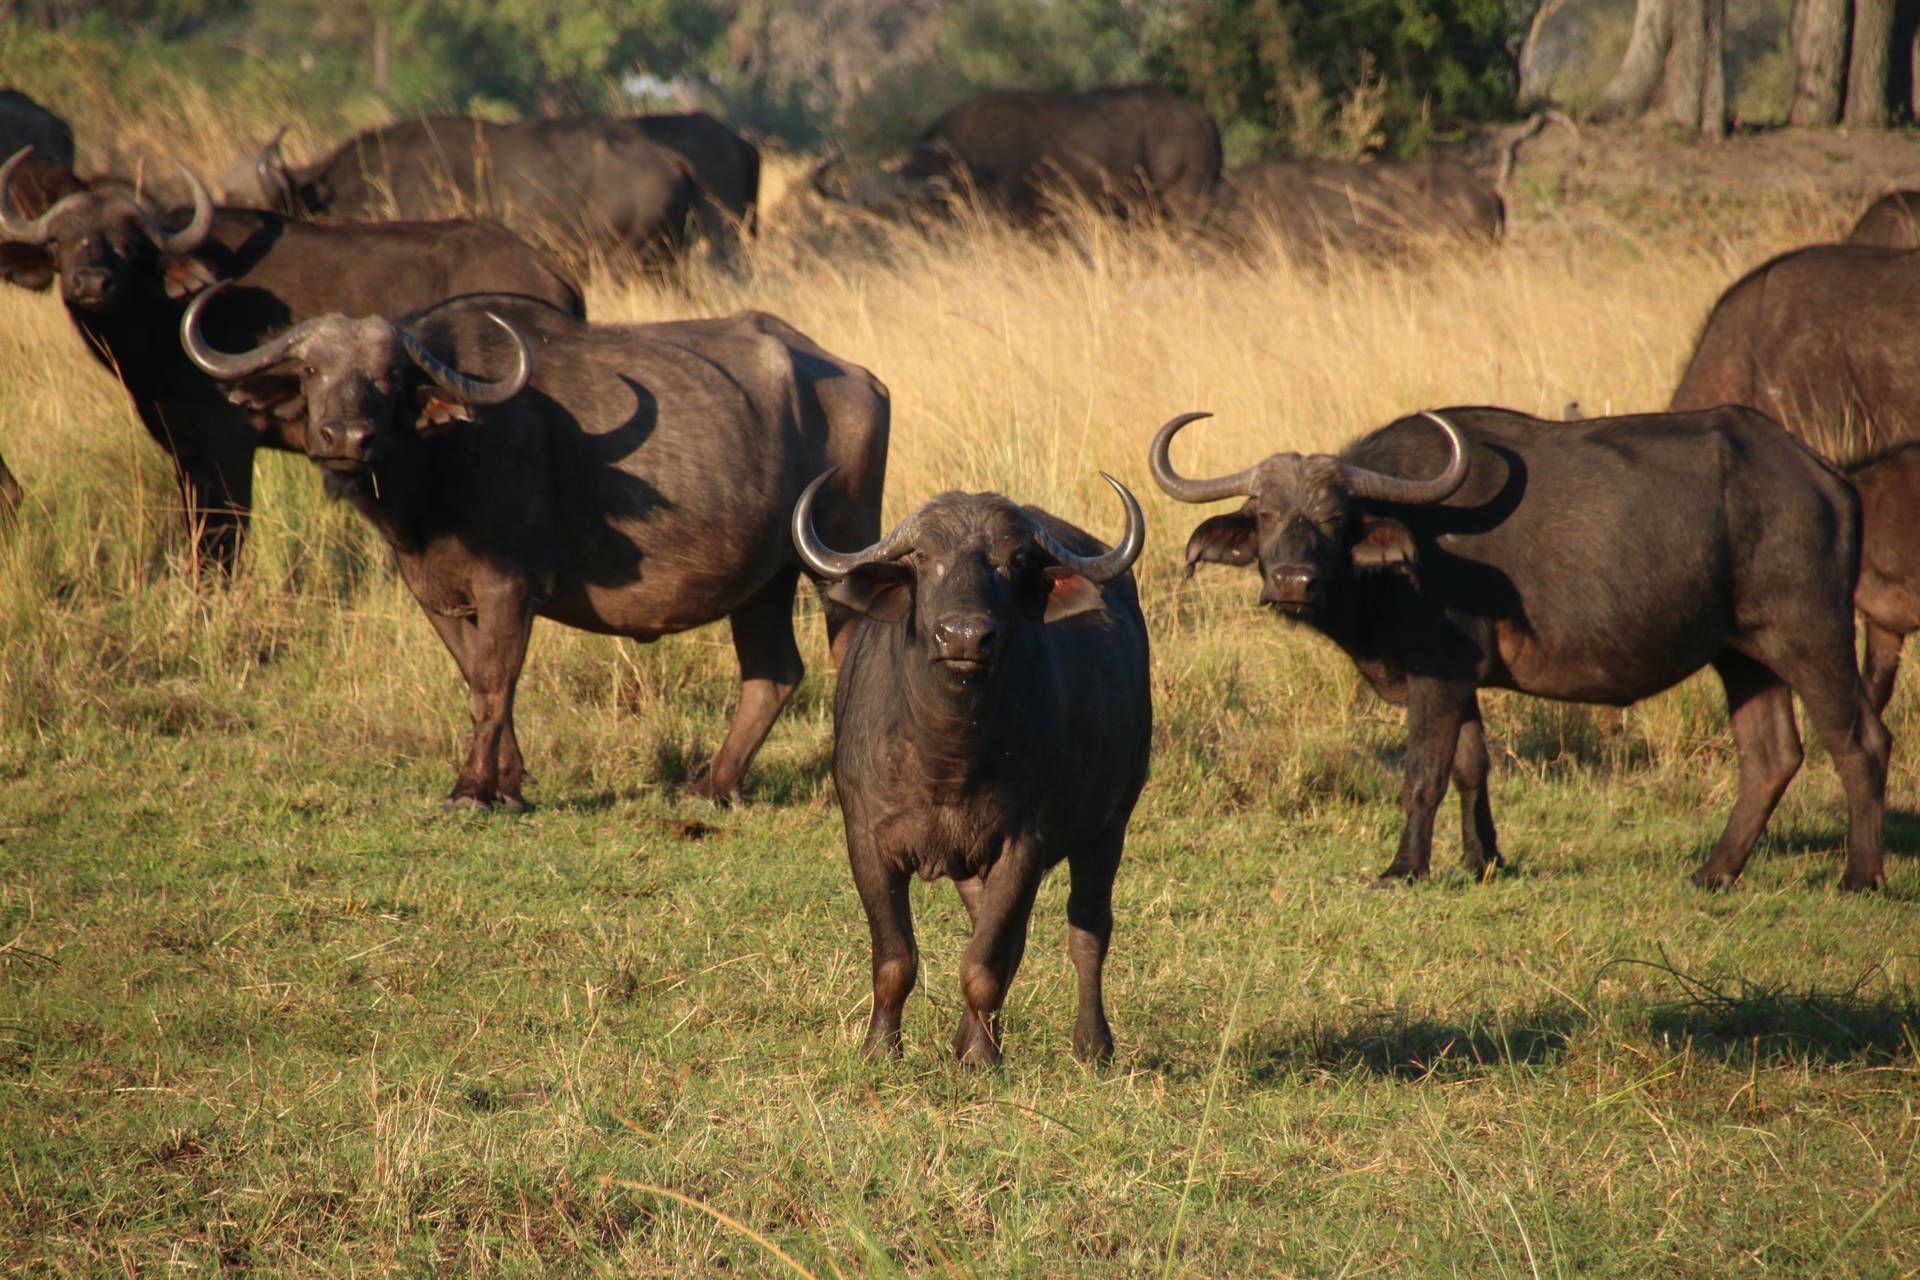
{"x": 263, "y": 1008}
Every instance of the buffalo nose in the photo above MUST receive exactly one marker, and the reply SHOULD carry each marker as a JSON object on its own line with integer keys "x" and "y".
{"x": 91, "y": 284}
{"x": 964, "y": 638}
{"x": 1292, "y": 585}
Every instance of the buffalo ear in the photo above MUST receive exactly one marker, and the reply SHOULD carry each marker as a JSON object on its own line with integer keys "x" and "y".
{"x": 883, "y": 592}
{"x": 186, "y": 276}
{"x": 1384, "y": 544}
{"x": 1230, "y": 539}
{"x": 26, "y": 265}
{"x": 1070, "y": 594}
{"x": 273, "y": 400}
{"x": 438, "y": 411}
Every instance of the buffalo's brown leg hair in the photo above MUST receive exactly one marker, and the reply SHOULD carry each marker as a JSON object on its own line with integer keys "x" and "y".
{"x": 1883, "y": 663}
{"x": 896, "y": 961}
{"x": 460, "y": 635}
{"x": 993, "y": 955}
{"x": 1760, "y": 709}
{"x": 1089, "y": 929}
{"x": 493, "y": 648}
{"x": 1435, "y": 711}
{"x": 216, "y": 494}
{"x": 1837, "y": 704}
{"x": 770, "y": 670}
{"x": 1479, "y": 849}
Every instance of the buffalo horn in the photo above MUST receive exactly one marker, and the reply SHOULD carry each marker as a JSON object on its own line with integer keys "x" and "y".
{"x": 194, "y": 234}
{"x": 470, "y": 390}
{"x": 1384, "y": 488}
{"x": 1106, "y": 567}
{"x": 12, "y": 227}
{"x": 818, "y": 178}
{"x": 232, "y": 365}
{"x": 824, "y": 560}
{"x": 1236, "y": 484}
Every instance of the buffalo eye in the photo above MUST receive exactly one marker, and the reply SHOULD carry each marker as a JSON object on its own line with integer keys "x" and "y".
{"x": 383, "y": 385}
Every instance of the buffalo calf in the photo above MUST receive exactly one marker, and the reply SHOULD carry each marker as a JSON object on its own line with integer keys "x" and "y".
{"x": 992, "y": 717}
{"x": 1598, "y": 561}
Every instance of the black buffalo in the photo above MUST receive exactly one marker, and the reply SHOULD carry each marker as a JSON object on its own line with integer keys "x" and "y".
{"x": 1373, "y": 208}
{"x": 1597, "y": 561}
{"x": 725, "y": 167}
{"x": 25, "y": 123}
{"x": 633, "y": 480}
{"x": 126, "y": 279}
{"x": 586, "y": 183}
{"x": 992, "y": 717}
{"x": 1121, "y": 149}
{"x": 1818, "y": 340}
{"x": 1892, "y": 222}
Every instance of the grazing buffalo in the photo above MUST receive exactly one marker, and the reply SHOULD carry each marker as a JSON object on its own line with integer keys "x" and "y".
{"x": 1817, "y": 339}
{"x": 726, "y": 172}
{"x": 1597, "y": 561}
{"x": 25, "y": 123}
{"x": 1377, "y": 207}
{"x": 586, "y": 182}
{"x": 126, "y": 279}
{"x": 992, "y": 717}
{"x": 633, "y": 480}
{"x": 1122, "y": 149}
{"x": 1888, "y": 593}
{"x": 1892, "y": 222}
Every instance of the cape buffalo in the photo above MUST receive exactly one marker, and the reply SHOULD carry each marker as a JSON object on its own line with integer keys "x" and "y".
{"x": 1888, "y": 593}
{"x": 1121, "y": 149}
{"x": 1817, "y": 340}
{"x": 1598, "y": 561}
{"x": 992, "y": 717}
{"x": 588, "y": 182}
{"x": 25, "y": 123}
{"x": 1375, "y": 207}
{"x": 126, "y": 279}
{"x": 726, "y": 172}
{"x": 1892, "y": 221}
{"x": 632, "y": 480}
{"x": 9, "y": 492}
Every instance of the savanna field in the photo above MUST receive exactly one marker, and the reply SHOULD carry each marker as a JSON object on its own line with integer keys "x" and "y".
{"x": 265, "y": 1008}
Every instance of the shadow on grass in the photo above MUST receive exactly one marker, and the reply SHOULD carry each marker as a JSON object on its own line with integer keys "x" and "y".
{"x": 1402, "y": 1046}
{"x": 1753, "y": 1022}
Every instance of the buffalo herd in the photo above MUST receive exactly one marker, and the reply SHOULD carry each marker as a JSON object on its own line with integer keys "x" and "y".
{"x": 403, "y": 311}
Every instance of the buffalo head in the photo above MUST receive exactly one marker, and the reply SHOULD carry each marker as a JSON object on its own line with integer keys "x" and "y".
{"x": 925, "y": 180}
{"x": 260, "y": 181}
{"x": 99, "y": 241}
{"x": 1301, "y": 522}
{"x": 354, "y": 387}
{"x": 968, "y": 572}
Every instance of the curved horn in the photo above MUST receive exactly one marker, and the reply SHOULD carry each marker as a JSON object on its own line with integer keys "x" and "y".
{"x": 194, "y": 234}
{"x": 12, "y": 227}
{"x": 824, "y": 560}
{"x": 231, "y": 365}
{"x": 817, "y": 178}
{"x": 1413, "y": 493}
{"x": 1111, "y": 564}
{"x": 470, "y": 390}
{"x": 1237, "y": 484}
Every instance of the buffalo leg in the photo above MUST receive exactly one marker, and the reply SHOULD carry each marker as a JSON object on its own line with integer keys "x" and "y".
{"x": 460, "y": 635}
{"x": 216, "y": 494}
{"x": 9, "y": 492}
{"x": 1479, "y": 850}
{"x": 1760, "y": 708}
{"x": 1089, "y": 929}
{"x": 1883, "y": 663}
{"x": 993, "y": 955}
{"x": 1435, "y": 711}
{"x": 1851, "y": 731}
{"x": 770, "y": 670}
{"x": 896, "y": 962}
{"x": 495, "y": 649}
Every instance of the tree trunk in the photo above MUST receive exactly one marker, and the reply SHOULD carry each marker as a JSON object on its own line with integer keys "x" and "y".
{"x": 1684, "y": 66}
{"x": 1817, "y": 34}
{"x": 1867, "y": 72}
{"x": 1632, "y": 89}
{"x": 1713, "y": 74}
{"x": 380, "y": 55}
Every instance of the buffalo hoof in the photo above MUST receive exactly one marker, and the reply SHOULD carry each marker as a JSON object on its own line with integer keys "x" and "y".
{"x": 464, "y": 804}
{"x": 1709, "y": 879}
{"x": 881, "y": 1046}
{"x": 710, "y": 791}
{"x": 509, "y": 804}
{"x": 1391, "y": 879}
{"x": 1095, "y": 1053}
{"x": 1863, "y": 884}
